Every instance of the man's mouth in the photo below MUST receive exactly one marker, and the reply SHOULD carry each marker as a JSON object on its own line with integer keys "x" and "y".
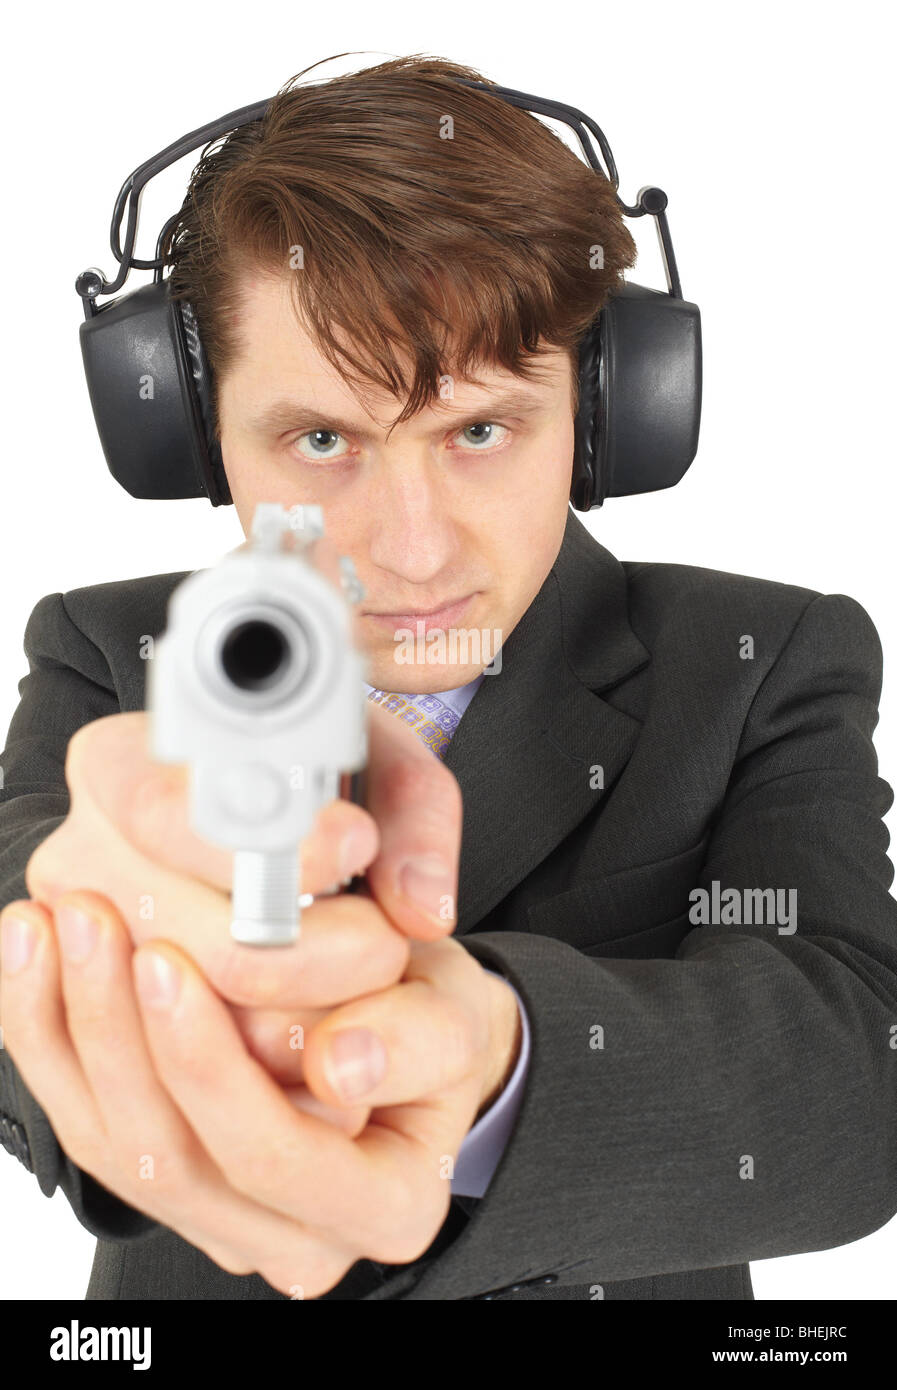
{"x": 447, "y": 616}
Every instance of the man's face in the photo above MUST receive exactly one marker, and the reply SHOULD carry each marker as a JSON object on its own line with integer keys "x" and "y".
{"x": 467, "y": 498}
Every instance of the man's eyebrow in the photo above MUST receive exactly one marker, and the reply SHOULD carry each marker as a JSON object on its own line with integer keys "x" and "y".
{"x": 288, "y": 414}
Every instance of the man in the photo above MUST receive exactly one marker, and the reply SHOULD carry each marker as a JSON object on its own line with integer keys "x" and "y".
{"x": 674, "y": 950}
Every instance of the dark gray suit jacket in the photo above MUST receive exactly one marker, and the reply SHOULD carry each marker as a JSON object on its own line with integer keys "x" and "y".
{"x": 740, "y": 1100}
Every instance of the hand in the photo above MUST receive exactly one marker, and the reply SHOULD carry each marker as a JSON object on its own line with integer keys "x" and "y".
{"x": 116, "y": 788}
{"x": 433, "y": 1029}
{"x": 127, "y": 837}
{"x": 159, "y": 1099}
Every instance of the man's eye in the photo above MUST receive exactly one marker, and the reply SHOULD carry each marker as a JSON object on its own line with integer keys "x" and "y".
{"x": 320, "y": 444}
{"x": 483, "y": 435}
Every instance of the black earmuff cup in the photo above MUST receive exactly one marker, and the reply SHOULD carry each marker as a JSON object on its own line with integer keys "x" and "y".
{"x": 150, "y": 388}
{"x": 639, "y": 413}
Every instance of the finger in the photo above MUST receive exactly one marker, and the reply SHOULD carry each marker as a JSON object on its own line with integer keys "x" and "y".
{"x": 351, "y": 1120}
{"x": 101, "y": 1007}
{"x": 276, "y": 1038}
{"x": 410, "y": 827}
{"x": 138, "y": 1145}
{"x": 156, "y": 819}
{"x": 346, "y": 946}
{"x": 416, "y": 802}
{"x": 36, "y": 1033}
{"x": 353, "y": 1192}
{"x": 110, "y": 761}
{"x": 107, "y": 1034}
{"x": 426, "y": 1034}
{"x": 407, "y": 836}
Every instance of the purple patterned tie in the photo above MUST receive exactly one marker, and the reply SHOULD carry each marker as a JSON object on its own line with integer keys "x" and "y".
{"x": 429, "y": 716}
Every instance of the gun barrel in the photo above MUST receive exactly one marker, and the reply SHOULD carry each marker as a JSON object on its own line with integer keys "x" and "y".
{"x": 255, "y": 653}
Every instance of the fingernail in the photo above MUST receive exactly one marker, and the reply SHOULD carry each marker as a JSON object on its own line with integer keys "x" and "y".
{"x": 19, "y": 938}
{"x": 354, "y": 850}
{"x": 77, "y": 932}
{"x": 355, "y": 1062}
{"x": 158, "y": 981}
{"x": 428, "y": 882}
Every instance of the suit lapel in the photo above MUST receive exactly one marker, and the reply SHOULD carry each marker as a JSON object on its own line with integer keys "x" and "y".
{"x": 523, "y": 751}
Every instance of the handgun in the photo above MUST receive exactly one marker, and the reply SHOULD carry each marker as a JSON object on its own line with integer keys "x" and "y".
{"x": 257, "y": 684}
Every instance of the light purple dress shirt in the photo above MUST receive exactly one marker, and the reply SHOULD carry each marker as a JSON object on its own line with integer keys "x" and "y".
{"x": 485, "y": 1143}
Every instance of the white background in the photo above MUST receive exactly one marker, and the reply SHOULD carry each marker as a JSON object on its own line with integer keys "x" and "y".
{"x": 770, "y": 129}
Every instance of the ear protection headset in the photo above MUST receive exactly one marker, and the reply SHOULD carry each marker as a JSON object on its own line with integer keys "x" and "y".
{"x": 636, "y": 428}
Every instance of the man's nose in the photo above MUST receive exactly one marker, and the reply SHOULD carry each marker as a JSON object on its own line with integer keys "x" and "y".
{"x": 412, "y": 532}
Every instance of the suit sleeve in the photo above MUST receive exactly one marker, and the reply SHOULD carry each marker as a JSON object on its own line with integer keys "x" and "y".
{"x": 68, "y": 684}
{"x": 743, "y": 1105}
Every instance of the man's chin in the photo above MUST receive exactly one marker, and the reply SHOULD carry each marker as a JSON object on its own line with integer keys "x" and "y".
{"x": 421, "y": 678}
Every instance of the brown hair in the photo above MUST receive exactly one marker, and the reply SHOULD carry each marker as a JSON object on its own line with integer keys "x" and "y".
{"x": 479, "y": 245}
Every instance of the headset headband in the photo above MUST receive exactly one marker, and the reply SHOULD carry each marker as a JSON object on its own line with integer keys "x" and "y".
{"x": 635, "y": 430}
{"x": 92, "y": 283}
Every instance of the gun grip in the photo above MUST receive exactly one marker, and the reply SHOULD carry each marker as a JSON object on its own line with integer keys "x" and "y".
{"x": 353, "y": 788}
